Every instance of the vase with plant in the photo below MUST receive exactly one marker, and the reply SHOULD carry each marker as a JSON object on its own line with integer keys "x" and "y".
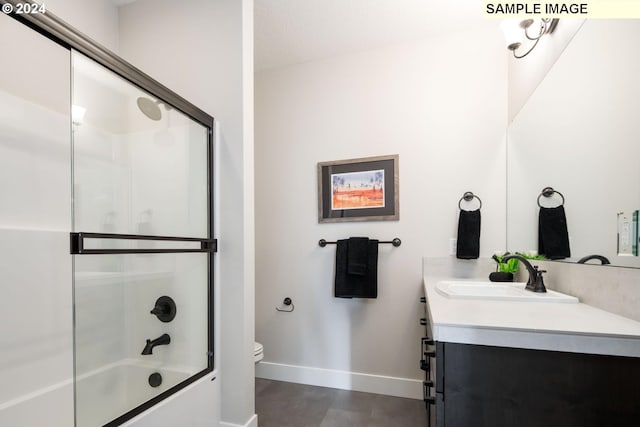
{"x": 505, "y": 271}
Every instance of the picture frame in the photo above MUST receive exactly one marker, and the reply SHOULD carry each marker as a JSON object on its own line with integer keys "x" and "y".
{"x": 364, "y": 189}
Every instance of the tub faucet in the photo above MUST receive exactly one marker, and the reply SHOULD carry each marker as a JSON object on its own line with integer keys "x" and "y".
{"x": 163, "y": 339}
{"x": 535, "y": 283}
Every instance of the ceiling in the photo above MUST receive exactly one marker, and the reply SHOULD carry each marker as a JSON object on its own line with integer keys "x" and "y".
{"x": 293, "y": 31}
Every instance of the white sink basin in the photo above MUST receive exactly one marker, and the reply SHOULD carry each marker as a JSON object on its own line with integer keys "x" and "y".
{"x": 498, "y": 291}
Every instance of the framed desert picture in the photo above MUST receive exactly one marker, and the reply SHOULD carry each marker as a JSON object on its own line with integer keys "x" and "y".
{"x": 363, "y": 189}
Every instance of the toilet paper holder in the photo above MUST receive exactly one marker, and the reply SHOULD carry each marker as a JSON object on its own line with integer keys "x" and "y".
{"x": 287, "y": 302}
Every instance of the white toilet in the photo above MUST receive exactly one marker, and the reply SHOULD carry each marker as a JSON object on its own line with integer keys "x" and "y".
{"x": 258, "y": 352}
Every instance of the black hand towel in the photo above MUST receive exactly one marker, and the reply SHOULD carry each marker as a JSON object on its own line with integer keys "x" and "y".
{"x": 468, "y": 245}
{"x": 553, "y": 237}
{"x": 360, "y": 256}
{"x": 357, "y": 255}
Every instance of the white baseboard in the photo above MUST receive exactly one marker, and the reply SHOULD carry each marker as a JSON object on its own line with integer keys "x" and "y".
{"x": 253, "y": 422}
{"x": 391, "y": 386}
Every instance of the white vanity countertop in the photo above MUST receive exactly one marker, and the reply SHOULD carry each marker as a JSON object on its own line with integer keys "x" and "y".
{"x": 543, "y": 326}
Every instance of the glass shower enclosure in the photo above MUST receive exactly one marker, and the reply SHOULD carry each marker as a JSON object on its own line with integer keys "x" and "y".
{"x": 140, "y": 242}
{"x": 106, "y": 234}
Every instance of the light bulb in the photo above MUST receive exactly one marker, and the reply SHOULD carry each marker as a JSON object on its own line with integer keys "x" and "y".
{"x": 513, "y": 33}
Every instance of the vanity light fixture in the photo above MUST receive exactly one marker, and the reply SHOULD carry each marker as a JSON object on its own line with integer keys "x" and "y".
{"x": 517, "y": 31}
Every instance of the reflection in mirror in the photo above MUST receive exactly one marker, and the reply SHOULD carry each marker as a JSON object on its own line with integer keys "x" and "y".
{"x": 578, "y": 133}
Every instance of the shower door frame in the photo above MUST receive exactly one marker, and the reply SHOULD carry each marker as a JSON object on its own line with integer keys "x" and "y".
{"x": 65, "y": 35}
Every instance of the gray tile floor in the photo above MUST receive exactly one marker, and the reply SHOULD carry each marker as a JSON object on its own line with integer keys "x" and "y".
{"x": 281, "y": 404}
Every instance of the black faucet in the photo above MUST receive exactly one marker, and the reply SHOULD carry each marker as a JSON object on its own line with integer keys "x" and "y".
{"x": 603, "y": 259}
{"x": 163, "y": 339}
{"x": 535, "y": 282}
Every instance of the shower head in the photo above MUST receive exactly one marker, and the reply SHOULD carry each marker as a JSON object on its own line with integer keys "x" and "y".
{"x": 150, "y": 108}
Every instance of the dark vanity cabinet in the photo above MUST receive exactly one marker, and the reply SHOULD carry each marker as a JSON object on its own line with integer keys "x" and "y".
{"x": 486, "y": 386}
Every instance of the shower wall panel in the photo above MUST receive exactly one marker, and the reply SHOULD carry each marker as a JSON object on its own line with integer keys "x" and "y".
{"x": 35, "y": 221}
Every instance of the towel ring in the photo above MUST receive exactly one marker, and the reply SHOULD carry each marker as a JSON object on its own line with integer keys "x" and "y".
{"x": 548, "y": 192}
{"x": 467, "y": 197}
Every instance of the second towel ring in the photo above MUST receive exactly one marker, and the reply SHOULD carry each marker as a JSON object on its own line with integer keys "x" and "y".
{"x": 467, "y": 197}
{"x": 548, "y": 192}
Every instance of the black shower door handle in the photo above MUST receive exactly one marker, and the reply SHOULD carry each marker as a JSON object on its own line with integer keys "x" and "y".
{"x": 77, "y": 244}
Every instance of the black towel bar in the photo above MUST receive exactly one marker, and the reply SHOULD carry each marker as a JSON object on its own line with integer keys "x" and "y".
{"x": 395, "y": 242}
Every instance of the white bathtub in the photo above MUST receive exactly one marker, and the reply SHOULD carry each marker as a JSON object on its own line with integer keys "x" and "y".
{"x": 103, "y": 395}
{"x": 50, "y": 406}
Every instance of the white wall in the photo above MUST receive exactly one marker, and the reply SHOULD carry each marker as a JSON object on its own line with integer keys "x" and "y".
{"x": 35, "y": 266}
{"x": 98, "y": 19}
{"x": 441, "y": 104}
{"x": 201, "y": 50}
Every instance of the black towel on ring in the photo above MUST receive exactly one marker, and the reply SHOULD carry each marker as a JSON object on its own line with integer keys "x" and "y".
{"x": 468, "y": 245}
{"x": 553, "y": 237}
{"x": 356, "y": 268}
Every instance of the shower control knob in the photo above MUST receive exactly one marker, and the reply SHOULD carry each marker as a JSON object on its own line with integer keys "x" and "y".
{"x": 165, "y": 309}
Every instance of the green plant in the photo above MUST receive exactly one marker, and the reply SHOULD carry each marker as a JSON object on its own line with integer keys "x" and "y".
{"x": 533, "y": 257}
{"x": 511, "y": 266}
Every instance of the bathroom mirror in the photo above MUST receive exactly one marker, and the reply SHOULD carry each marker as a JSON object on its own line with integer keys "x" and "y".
{"x": 579, "y": 133}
